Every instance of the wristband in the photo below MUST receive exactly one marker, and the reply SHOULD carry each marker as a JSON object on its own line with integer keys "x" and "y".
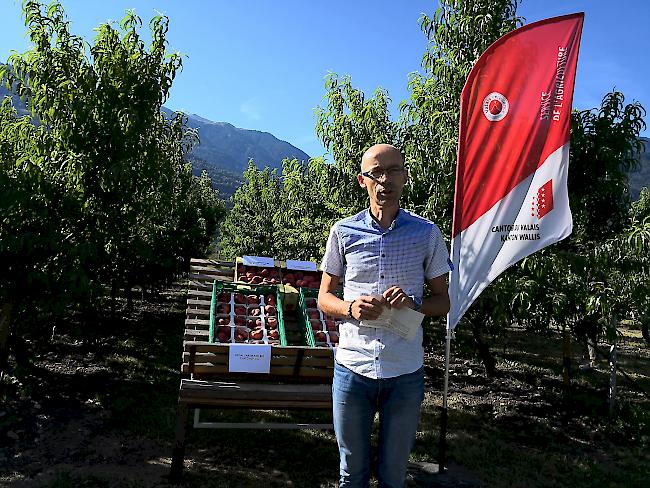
{"x": 417, "y": 302}
{"x": 350, "y": 309}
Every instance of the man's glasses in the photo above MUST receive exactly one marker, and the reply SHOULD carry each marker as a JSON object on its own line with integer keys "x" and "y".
{"x": 378, "y": 174}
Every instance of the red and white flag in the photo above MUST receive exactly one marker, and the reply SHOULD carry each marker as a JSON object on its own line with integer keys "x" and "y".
{"x": 513, "y": 154}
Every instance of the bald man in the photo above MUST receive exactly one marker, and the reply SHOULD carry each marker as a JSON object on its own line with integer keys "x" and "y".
{"x": 383, "y": 256}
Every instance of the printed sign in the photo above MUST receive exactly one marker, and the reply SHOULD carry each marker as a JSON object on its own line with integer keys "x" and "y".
{"x": 301, "y": 265}
{"x": 250, "y": 358}
{"x": 261, "y": 261}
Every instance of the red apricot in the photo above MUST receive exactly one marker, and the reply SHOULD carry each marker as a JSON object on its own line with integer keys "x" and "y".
{"x": 241, "y": 334}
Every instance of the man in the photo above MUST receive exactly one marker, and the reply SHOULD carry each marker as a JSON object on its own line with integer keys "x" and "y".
{"x": 383, "y": 256}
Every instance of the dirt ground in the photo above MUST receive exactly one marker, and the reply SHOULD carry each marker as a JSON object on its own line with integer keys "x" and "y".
{"x": 95, "y": 408}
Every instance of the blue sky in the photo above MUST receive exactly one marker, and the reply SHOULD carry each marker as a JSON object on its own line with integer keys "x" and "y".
{"x": 261, "y": 64}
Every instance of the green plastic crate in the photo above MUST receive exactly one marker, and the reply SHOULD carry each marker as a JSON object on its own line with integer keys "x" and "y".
{"x": 302, "y": 303}
{"x": 220, "y": 287}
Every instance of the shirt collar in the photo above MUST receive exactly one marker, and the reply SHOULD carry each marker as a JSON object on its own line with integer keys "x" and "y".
{"x": 371, "y": 222}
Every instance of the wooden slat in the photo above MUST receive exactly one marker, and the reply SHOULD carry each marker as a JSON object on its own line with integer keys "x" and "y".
{"x": 197, "y": 323}
{"x": 256, "y": 404}
{"x": 205, "y": 278}
{"x": 275, "y": 351}
{"x": 211, "y": 270}
{"x": 196, "y": 335}
{"x": 191, "y": 312}
{"x": 212, "y": 262}
{"x": 280, "y": 371}
{"x": 206, "y": 357}
{"x": 200, "y": 285}
{"x": 199, "y": 294}
{"x": 255, "y": 395}
{"x": 194, "y": 303}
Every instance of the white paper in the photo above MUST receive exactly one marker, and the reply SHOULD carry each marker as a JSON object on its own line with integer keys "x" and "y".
{"x": 301, "y": 265}
{"x": 249, "y": 358}
{"x": 261, "y": 261}
{"x": 401, "y": 321}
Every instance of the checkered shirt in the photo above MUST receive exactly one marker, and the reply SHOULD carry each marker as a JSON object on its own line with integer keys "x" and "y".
{"x": 369, "y": 260}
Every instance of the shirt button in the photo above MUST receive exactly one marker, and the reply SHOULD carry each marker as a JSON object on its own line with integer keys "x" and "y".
{"x": 382, "y": 277}
{"x": 376, "y": 358}
{"x": 383, "y": 255}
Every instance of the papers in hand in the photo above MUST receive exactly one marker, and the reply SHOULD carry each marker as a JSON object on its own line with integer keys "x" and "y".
{"x": 401, "y": 321}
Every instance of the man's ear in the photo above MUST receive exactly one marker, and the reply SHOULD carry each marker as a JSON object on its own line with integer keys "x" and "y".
{"x": 361, "y": 180}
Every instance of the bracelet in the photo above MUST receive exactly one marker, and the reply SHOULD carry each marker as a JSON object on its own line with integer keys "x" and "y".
{"x": 350, "y": 309}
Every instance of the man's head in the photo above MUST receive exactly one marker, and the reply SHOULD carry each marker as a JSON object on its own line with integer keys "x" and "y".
{"x": 383, "y": 174}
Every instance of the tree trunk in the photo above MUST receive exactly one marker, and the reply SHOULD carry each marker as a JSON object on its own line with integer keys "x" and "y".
{"x": 5, "y": 329}
{"x": 484, "y": 351}
{"x": 645, "y": 324}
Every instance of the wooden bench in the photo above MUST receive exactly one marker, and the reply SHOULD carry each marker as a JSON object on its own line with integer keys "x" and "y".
{"x": 300, "y": 377}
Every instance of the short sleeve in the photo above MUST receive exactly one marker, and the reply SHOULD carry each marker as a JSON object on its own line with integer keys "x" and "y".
{"x": 437, "y": 260}
{"x": 333, "y": 260}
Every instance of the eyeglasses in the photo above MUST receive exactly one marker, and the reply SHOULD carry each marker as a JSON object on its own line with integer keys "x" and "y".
{"x": 378, "y": 174}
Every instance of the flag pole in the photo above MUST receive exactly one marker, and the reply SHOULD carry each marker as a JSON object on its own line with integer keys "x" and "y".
{"x": 442, "y": 443}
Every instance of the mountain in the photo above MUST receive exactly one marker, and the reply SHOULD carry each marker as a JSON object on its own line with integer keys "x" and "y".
{"x": 20, "y": 106}
{"x": 229, "y": 147}
{"x": 641, "y": 176}
{"x": 224, "y": 150}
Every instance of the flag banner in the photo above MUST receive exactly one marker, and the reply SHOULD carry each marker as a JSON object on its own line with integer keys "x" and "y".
{"x": 511, "y": 194}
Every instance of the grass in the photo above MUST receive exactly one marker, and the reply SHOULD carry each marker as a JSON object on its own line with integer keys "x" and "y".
{"x": 519, "y": 429}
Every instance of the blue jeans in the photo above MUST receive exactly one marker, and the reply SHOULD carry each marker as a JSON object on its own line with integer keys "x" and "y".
{"x": 356, "y": 399}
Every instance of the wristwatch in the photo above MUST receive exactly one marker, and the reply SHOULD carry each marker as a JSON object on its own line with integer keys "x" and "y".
{"x": 417, "y": 301}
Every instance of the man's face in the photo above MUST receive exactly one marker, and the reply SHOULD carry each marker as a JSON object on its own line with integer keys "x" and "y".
{"x": 385, "y": 177}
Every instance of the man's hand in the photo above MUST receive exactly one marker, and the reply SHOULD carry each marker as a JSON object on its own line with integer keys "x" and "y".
{"x": 395, "y": 297}
{"x": 368, "y": 307}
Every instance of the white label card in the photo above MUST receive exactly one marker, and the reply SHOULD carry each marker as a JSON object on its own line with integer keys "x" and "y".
{"x": 301, "y": 265}
{"x": 261, "y": 261}
{"x": 250, "y": 358}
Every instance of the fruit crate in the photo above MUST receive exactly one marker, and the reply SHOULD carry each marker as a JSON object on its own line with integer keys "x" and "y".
{"x": 258, "y": 270}
{"x": 322, "y": 330}
{"x": 247, "y": 314}
{"x": 300, "y": 274}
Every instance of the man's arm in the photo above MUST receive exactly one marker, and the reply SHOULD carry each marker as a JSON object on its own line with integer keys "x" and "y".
{"x": 328, "y": 302}
{"x": 363, "y": 308}
{"x": 437, "y": 304}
